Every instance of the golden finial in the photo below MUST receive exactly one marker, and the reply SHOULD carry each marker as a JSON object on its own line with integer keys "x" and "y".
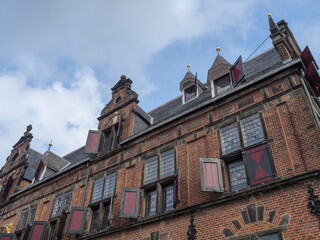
{"x": 269, "y": 14}
{"x": 218, "y": 50}
{"x": 188, "y": 66}
{"x": 50, "y": 144}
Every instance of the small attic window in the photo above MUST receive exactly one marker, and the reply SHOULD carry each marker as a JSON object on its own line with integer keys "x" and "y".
{"x": 190, "y": 93}
{"x": 221, "y": 85}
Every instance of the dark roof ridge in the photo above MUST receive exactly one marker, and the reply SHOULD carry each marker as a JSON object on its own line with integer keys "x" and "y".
{"x": 164, "y": 104}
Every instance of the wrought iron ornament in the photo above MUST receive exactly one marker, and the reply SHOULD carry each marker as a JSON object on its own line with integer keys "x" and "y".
{"x": 192, "y": 230}
{"x": 314, "y": 202}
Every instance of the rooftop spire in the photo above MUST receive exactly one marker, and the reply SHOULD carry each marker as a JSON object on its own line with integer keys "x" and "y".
{"x": 50, "y": 145}
{"x": 188, "y": 66}
{"x": 272, "y": 26}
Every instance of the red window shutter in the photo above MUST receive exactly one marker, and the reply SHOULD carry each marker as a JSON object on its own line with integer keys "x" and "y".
{"x": 313, "y": 78}
{"x": 259, "y": 165}
{"x": 7, "y": 188}
{"x": 237, "y": 71}
{"x": 26, "y": 233}
{"x": 37, "y": 174}
{"x": 93, "y": 141}
{"x": 61, "y": 225}
{"x": 77, "y": 220}
{"x": 37, "y": 231}
{"x": 211, "y": 175}
{"x": 307, "y": 57}
{"x": 6, "y": 236}
{"x": 176, "y": 188}
{"x": 130, "y": 203}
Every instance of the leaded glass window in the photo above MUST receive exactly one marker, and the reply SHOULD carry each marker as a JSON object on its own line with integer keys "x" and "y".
{"x": 23, "y": 219}
{"x": 67, "y": 200}
{"x": 151, "y": 170}
{"x": 56, "y": 206}
{"x": 151, "y": 203}
{"x": 168, "y": 198}
{"x": 252, "y": 131}
{"x": 230, "y": 140}
{"x": 32, "y": 215}
{"x": 222, "y": 84}
{"x": 97, "y": 190}
{"x": 167, "y": 163}
{"x": 270, "y": 237}
{"x": 190, "y": 93}
{"x": 95, "y": 220}
{"x": 237, "y": 173}
{"x": 110, "y": 185}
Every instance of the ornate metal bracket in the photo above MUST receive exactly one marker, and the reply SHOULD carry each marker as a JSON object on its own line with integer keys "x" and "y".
{"x": 314, "y": 202}
{"x": 192, "y": 230}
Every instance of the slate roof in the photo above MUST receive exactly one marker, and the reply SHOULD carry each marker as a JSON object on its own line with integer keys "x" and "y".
{"x": 54, "y": 161}
{"x": 76, "y": 156}
{"x": 144, "y": 115}
{"x": 254, "y": 67}
{"x": 219, "y": 60}
{"x": 261, "y": 66}
{"x": 34, "y": 158}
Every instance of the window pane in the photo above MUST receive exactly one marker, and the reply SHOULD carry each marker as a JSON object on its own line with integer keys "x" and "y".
{"x": 56, "y": 206}
{"x": 23, "y": 219}
{"x": 97, "y": 190}
{"x": 190, "y": 93}
{"x": 151, "y": 203}
{"x": 106, "y": 223}
{"x": 167, "y": 163}
{"x": 168, "y": 194}
{"x": 237, "y": 173}
{"x": 151, "y": 170}
{"x": 222, "y": 84}
{"x": 67, "y": 201}
{"x": 110, "y": 185}
{"x": 230, "y": 140}
{"x": 108, "y": 141}
{"x": 95, "y": 218}
{"x": 252, "y": 130}
{"x": 32, "y": 214}
{"x": 271, "y": 237}
{"x": 53, "y": 231}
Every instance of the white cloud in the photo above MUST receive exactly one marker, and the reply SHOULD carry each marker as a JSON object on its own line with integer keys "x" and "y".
{"x": 56, "y": 112}
{"x": 120, "y": 37}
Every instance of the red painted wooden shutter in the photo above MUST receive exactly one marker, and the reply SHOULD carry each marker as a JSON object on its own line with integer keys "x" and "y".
{"x": 62, "y": 223}
{"x": 76, "y": 220}
{"x": 37, "y": 231}
{"x": 129, "y": 202}
{"x": 37, "y": 174}
{"x": 237, "y": 71}
{"x": 26, "y": 233}
{"x": 210, "y": 174}
{"x": 7, "y": 188}
{"x": 92, "y": 141}
{"x": 307, "y": 57}
{"x": 313, "y": 78}
{"x": 176, "y": 188}
{"x": 6, "y": 238}
{"x": 259, "y": 165}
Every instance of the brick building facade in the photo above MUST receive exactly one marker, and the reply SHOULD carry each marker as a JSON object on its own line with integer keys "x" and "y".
{"x": 238, "y": 154}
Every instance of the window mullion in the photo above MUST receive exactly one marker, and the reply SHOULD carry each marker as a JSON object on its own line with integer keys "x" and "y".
{"x": 159, "y": 199}
{"x": 246, "y": 168}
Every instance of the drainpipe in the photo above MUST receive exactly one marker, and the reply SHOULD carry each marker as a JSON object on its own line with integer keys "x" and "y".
{"x": 309, "y": 100}
{"x": 85, "y": 186}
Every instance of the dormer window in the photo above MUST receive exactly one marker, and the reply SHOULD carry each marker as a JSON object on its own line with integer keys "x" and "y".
{"x": 190, "y": 93}
{"x": 221, "y": 85}
{"x": 190, "y": 87}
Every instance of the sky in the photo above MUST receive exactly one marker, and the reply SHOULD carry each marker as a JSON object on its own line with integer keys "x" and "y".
{"x": 59, "y": 59}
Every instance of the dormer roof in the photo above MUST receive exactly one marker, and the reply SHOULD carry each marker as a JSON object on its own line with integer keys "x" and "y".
{"x": 219, "y": 68}
{"x": 190, "y": 78}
